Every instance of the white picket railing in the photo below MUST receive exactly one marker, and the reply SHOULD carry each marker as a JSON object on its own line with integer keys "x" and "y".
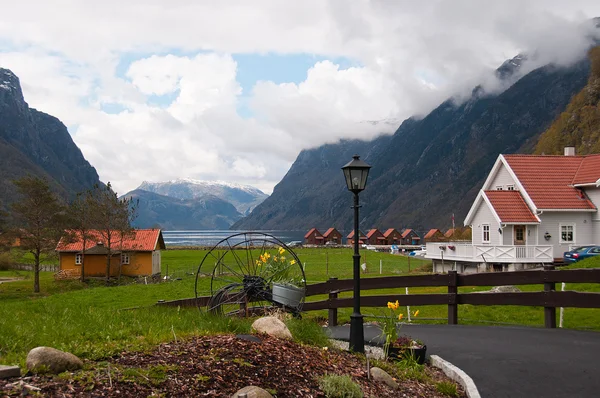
{"x": 461, "y": 251}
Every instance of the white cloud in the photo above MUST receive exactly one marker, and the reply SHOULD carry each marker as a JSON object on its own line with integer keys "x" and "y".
{"x": 180, "y": 112}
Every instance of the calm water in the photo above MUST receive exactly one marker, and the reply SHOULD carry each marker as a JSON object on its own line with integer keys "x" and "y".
{"x": 211, "y": 238}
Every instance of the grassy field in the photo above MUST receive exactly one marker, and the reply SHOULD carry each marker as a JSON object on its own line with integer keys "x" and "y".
{"x": 94, "y": 321}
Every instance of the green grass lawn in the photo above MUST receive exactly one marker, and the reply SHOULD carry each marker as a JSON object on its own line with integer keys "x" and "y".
{"x": 94, "y": 321}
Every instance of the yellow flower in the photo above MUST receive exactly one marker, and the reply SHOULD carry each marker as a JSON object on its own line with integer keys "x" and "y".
{"x": 416, "y": 313}
{"x": 281, "y": 250}
{"x": 267, "y": 256}
{"x": 400, "y": 317}
{"x": 282, "y": 258}
{"x": 396, "y": 305}
{"x": 292, "y": 262}
{"x": 258, "y": 262}
{"x": 390, "y": 305}
{"x": 275, "y": 258}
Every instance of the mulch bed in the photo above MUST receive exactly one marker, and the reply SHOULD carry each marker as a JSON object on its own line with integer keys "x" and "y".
{"x": 214, "y": 366}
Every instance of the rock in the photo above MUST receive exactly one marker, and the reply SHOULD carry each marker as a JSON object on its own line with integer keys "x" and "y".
{"x": 51, "y": 360}
{"x": 380, "y": 375}
{"x": 9, "y": 371}
{"x": 252, "y": 392}
{"x": 272, "y": 326}
{"x": 504, "y": 289}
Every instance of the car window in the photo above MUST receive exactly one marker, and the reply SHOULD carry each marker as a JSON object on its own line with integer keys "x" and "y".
{"x": 580, "y": 249}
{"x": 595, "y": 250}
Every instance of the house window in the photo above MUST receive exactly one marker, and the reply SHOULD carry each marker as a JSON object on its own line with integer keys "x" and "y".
{"x": 567, "y": 233}
{"x": 124, "y": 258}
{"x": 510, "y": 187}
{"x": 78, "y": 258}
{"x": 486, "y": 233}
{"x": 499, "y": 188}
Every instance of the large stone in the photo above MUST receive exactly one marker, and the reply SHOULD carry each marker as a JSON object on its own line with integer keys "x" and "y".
{"x": 272, "y": 326}
{"x": 9, "y": 371}
{"x": 252, "y": 392}
{"x": 381, "y": 376}
{"x": 51, "y": 360}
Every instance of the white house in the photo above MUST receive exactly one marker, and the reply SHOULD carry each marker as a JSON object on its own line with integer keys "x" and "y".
{"x": 530, "y": 210}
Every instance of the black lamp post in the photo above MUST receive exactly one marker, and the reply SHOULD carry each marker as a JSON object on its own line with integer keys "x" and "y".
{"x": 356, "y": 173}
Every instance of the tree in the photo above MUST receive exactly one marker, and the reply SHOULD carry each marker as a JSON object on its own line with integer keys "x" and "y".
{"x": 112, "y": 218}
{"x": 80, "y": 222}
{"x": 40, "y": 217}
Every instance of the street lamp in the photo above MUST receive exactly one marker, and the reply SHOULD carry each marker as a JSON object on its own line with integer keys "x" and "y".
{"x": 356, "y": 173}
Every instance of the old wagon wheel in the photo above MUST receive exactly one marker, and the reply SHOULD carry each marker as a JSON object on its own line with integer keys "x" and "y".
{"x": 251, "y": 273}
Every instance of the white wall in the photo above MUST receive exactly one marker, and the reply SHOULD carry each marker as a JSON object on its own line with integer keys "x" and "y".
{"x": 584, "y": 230}
{"x": 594, "y": 195}
{"x": 502, "y": 178}
{"x": 483, "y": 215}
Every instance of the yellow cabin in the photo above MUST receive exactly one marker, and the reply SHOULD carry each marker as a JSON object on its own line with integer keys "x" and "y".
{"x": 137, "y": 254}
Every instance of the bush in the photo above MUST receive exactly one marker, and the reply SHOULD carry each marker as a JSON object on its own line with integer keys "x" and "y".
{"x": 447, "y": 388}
{"x": 309, "y": 332}
{"x": 6, "y": 261}
{"x": 335, "y": 386}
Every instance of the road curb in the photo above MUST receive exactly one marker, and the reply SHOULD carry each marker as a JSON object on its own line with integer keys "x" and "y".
{"x": 457, "y": 375}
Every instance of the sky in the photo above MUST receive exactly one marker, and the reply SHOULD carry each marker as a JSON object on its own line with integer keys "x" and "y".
{"x": 155, "y": 90}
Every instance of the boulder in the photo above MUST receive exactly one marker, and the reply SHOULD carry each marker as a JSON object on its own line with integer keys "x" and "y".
{"x": 381, "y": 376}
{"x": 273, "y": 327}
{"x": 51, "y": 360}
{"x": 252, "y": 392}
{"x": 7, "y": 371}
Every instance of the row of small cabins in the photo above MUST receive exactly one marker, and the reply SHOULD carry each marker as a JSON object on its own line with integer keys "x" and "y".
{"x": 375, "y": 237}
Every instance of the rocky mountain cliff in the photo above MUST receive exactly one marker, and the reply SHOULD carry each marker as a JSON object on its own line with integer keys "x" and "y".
{"x": 203, "y": 212}
{"x": 32, "y": 142}
{"x": 244, "y": 197}
{"x": 429, "y": 168}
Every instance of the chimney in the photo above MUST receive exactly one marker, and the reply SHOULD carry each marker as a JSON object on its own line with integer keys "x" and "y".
{"x": 569, "y": 151}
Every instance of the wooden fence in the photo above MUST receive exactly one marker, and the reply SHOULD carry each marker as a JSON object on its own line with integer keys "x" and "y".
{"x": 550, "y": 299}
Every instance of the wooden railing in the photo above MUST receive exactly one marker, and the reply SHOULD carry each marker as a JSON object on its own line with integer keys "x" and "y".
{"x": 550, "y": 299}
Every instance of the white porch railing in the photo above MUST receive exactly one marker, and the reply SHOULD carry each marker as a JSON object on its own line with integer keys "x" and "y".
{"x": 461, "y": 251}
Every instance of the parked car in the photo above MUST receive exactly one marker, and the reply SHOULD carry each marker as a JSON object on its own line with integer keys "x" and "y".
{"x": 418, "y": 253}
{"x": 580, "y": 253}
{"x": 294, "y": 243}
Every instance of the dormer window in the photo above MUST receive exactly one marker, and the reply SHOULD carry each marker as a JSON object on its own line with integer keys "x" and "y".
{"x": 499, "y": 188}
{"x": 510, "y": 187}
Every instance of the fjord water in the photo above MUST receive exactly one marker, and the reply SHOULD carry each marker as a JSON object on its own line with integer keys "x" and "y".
{"x": 211, "y": 238}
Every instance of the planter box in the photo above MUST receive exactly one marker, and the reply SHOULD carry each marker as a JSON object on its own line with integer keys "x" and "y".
{"x": 400, "y": 353}
{"x": 288, "y": 295}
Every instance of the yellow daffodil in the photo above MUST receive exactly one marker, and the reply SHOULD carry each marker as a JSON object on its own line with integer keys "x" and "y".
{"x": 390, "y": 305}
{"x": 400, "y": 317}
{"x": 292, "y": 262}
{"x": 282, "y": 258}
{"x": 267, "y": 256}
{"x": 396, "y": 305}
{"x": 416, "y": 313}
{"x": 281, "y": 250}
{"x": 275, "y": 258}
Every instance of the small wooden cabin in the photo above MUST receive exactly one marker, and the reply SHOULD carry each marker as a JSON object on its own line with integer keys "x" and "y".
{"x": 314, "y": 237}
{"x": 332, "y": 236}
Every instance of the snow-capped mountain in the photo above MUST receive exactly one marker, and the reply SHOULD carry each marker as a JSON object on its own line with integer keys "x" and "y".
{"x": 243, "y": 197}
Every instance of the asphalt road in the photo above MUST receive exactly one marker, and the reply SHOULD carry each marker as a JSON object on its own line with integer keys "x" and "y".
{"x": 511, "y": 361}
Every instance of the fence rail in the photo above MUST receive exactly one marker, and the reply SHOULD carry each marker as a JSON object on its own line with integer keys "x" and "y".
{"x": 29, "y": 267}
{"x": 550, "y": 299}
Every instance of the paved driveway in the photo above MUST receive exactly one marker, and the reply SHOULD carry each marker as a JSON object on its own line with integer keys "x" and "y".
{"x": 512, "y": 361}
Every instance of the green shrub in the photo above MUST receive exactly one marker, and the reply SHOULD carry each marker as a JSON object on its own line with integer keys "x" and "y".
{"x": 447, "y": 388}
{"x": 307, "y": 331}
{"x": 6, "y": 261}
{"x": 335, "y": 386}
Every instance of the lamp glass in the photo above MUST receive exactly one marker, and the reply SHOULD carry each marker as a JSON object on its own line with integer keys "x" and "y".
{"x": 356, "y": 173}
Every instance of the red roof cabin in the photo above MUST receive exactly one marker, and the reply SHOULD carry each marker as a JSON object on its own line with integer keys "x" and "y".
{"x": 350, "y": 238}
{"x": 314, "y": 237}
{"x": 434, "y": 235}
{"x": 392, "y": 237}
{"x": 375, "y": 237}
{"x": 410, "y": 237}
{"x": 332, "y": 236}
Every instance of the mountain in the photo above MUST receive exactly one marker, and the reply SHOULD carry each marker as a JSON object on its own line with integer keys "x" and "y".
{"x": 244, "y": 197}
{"x": 579, "y": 124}
{"x": 428, "y": 169}
{"x": 32, "y": 142}
{"x": 205, "y": 212}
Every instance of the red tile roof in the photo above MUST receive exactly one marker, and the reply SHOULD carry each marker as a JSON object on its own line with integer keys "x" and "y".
{"x": 389, "y": 232}
{"x": 351, "y": 235}
{"x": 141, "y": 240}
{"x": 589, "y": 171}
{"x": 406, "y": 232}
{"x": 431, "y": 233}
{"x": 450, "y": 232}
{"x": 312, "y": 231}
{"x": 372, "y": 232}
{"x": 548, "y": 180}
{"x": 510, "y": 206}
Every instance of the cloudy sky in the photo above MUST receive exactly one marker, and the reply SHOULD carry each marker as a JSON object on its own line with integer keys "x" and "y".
{"x": 234, "y": 90}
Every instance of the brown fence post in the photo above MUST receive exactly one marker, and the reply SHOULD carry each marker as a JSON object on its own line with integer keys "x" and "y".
{"x": 333, "y": 312}
{"x": 549, "y": 312}
{"x": 452, "y": 299}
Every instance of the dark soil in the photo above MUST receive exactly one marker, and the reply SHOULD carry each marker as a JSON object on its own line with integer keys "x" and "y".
{"x": 215, "y": 366}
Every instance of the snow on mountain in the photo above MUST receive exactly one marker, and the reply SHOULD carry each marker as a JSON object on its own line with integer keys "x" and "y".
{"x": 243, "y": 197}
